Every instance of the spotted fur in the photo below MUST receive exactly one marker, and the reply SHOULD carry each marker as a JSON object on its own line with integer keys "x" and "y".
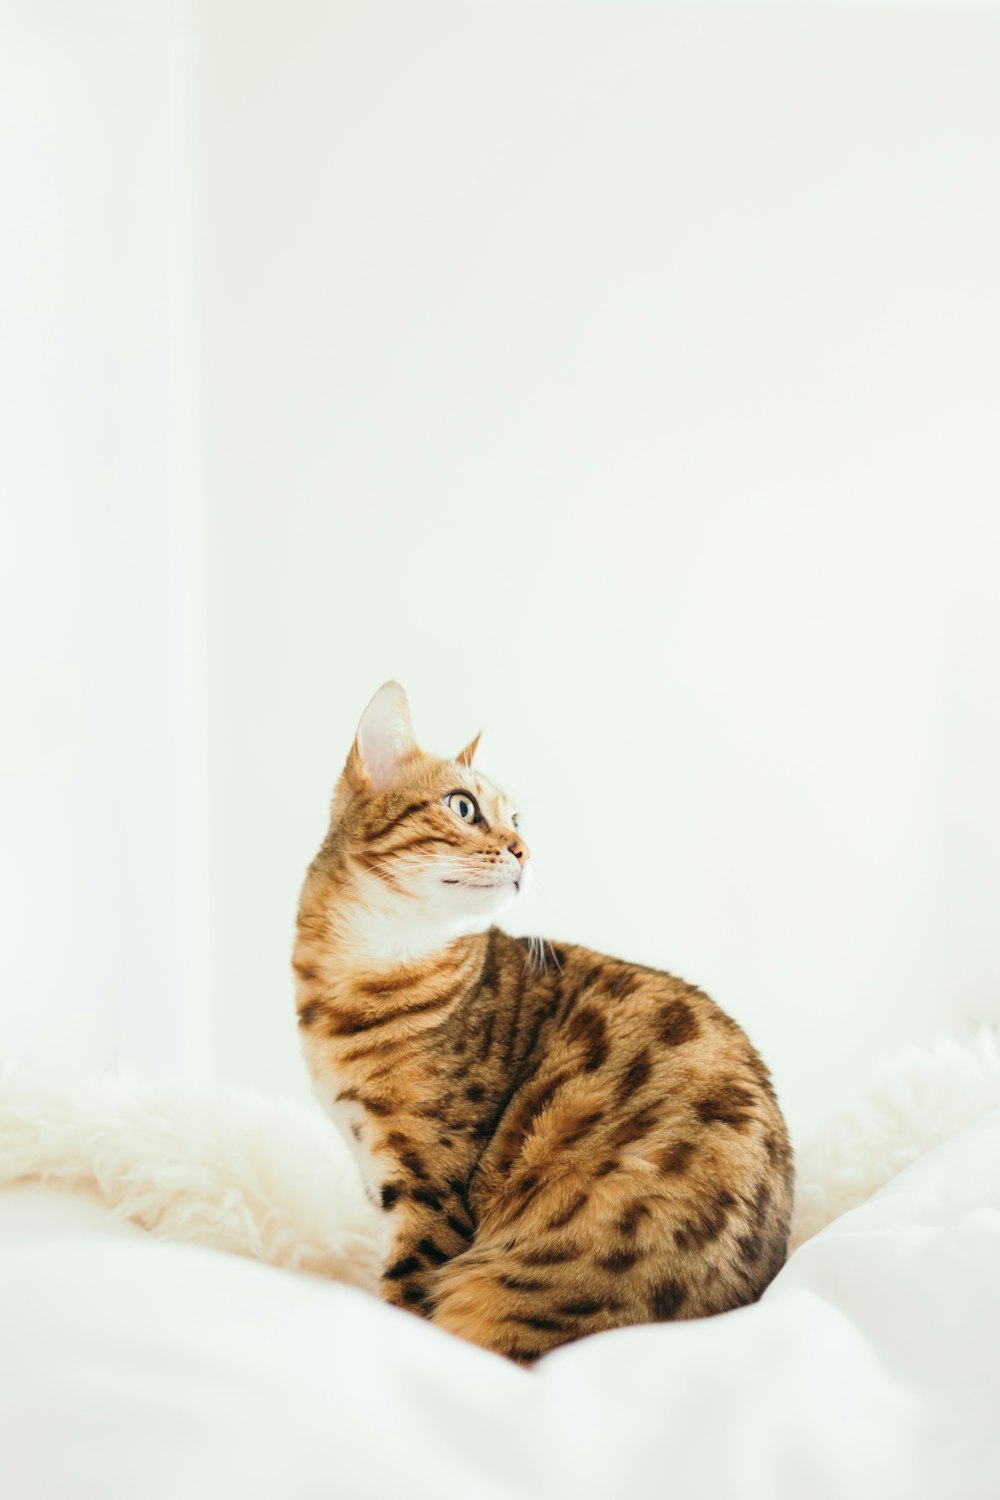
{"x": 560, "y": 1142}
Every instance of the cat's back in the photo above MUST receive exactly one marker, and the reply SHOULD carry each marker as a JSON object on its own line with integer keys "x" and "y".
{"x": 633, "y": 1026}
{"x": 645, "y": 1109}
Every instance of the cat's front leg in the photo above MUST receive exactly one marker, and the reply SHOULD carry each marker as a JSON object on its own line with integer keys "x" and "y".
{"x": 431, "y": 1223}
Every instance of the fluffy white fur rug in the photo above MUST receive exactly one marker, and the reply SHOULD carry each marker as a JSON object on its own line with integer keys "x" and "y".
{"x": 270, "y": 1179}
{"x": 224, "y": 1167}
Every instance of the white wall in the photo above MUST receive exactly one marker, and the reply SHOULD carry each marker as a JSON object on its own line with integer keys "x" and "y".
{"x": 102, "y": 778}
{"x": 623, "y": 379}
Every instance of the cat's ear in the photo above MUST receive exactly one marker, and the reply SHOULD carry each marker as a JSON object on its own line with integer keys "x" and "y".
{"x": 384, "y": 739}
{"x": 464, "y": 757}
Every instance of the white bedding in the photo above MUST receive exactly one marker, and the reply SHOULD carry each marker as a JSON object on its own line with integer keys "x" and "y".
{"x": 134, "y": 1368}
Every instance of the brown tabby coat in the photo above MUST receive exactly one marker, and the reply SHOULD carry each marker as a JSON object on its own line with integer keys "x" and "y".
{"x": 560, "y": 1147}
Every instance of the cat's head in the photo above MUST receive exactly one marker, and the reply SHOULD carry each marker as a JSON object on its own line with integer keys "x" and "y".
{"x": 423, "y": 849}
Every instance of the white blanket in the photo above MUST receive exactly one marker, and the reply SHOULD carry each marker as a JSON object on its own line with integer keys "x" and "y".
{"x": 139, "y": 1369}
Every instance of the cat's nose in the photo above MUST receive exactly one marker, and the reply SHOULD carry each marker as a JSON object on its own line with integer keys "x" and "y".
{"x": 519, "y": 851}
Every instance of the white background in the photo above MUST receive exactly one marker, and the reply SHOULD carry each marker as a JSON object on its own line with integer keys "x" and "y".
{"x": 621, "y": 378}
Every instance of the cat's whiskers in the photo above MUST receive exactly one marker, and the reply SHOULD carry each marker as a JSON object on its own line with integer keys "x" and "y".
{"x": 540, "y": 950}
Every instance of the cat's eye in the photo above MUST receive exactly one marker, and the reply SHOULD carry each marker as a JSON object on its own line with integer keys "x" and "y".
{"x": 464, "y": 806}
{"x": 515, "y": 823}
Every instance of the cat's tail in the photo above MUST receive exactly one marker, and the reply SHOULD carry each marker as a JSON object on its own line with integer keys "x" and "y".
{"x": 922, "y": 1097}
{"x": 521, "y": 1303}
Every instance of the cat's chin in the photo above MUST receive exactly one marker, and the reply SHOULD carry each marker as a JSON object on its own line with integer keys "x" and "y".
{"x": 477, "y": 901}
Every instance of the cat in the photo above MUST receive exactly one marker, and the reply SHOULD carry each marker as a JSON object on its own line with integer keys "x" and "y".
{"x": 560, "y": 1142}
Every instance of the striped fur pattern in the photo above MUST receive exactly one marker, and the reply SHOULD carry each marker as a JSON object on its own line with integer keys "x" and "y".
{"x": 561, "y": 1142}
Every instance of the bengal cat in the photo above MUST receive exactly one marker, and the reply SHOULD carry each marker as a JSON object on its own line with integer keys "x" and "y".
{"x": 561, "y": 1142}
